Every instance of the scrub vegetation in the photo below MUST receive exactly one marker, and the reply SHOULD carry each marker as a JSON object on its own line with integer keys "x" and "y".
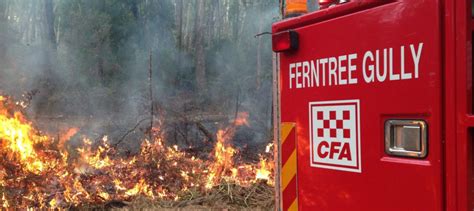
{"x": 92, "y": 83}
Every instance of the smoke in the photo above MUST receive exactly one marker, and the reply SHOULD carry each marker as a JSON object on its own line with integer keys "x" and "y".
{"x": 96, "y": 74}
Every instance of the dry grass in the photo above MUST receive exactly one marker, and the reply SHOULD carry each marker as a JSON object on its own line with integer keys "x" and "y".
{"x": 226, "y": 196}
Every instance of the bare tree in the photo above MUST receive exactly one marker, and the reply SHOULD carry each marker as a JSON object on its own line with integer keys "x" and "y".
{"x": 179, "y": 20}
{"x": 49, "y": 14}
{"x": 200, "y": 42}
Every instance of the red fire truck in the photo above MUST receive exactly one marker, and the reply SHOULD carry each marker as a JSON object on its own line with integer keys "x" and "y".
{"x": 373, "y": 102}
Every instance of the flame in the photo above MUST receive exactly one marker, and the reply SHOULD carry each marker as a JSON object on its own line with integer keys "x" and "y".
{"x": 98, "y": 159}
{"x": 140, "y": 187}
{"x": 20, "y": 138}
{"x": 53, "y": 203}
{"x": 66, "y": 136}
{"x": 242, "y": 119}
{"x": 5, "y": 203}
{"x": 37, "y": 170}
{"x": 104, "y": 195}
{"x": 265, "y": 166}
{"x": 263, "y": 172}
{"x": 223, "y": 155}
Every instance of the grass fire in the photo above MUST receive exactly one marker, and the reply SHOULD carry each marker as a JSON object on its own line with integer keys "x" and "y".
{"x": 137, "y": 104}
{"x": 39, "y": 171}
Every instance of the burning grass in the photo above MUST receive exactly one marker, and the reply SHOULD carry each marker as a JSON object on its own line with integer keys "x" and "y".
{"x": 258, "y": 196}
{"x": 38, "y": 171}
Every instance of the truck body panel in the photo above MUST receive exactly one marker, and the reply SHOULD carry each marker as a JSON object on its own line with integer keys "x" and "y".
{"x": 375, "y": 61}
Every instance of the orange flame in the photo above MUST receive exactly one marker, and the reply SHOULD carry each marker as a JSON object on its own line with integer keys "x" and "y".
{"x": 265, "y": 167}
{"x": 46, "y": 175}
{"x": 223, "y": 159}
{"x": 66, "y": 136}
{"x": 242, "y": 119}
{"x": 20, "y": 138}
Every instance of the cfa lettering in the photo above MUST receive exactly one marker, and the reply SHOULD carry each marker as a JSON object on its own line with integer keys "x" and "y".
{"x": 333, "y": 149}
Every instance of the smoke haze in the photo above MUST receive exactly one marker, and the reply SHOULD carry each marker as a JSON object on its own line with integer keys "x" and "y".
{"x": 86, "y": 64}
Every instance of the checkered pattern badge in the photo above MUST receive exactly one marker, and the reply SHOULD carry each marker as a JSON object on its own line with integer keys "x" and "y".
{"x": 335, "y": 135}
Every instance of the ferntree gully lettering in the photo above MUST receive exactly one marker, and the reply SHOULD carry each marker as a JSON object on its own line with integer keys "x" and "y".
{"x": 377, "y": 66}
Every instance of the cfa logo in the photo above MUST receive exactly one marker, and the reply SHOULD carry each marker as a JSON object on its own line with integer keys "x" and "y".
{"x": 335, "y": 135}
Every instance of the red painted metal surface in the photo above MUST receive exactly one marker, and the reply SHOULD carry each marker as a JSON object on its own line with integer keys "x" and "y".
{"x": 441, "y": 96}
{"x": 458, "y": 106}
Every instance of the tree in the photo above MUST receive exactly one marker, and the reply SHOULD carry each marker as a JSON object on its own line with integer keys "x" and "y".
{"x": 49, "y": 14}
{"x": 200, "y": 42}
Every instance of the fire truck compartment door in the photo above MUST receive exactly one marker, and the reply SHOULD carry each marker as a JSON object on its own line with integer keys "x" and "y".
{"x": 350, "y": 75}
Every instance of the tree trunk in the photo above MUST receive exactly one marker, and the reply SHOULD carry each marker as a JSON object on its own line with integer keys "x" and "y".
{"x": 179, "y": 18}
{"x": 58, "y": 31}
{"x": 140, "y": 21}
{"x": 150, "y": 87}
{"x": 200, "y": 54}
{"x": 180, "y": 37}
{"x": 259, "y": 60}
{"x": 100, "y": 69}
{"x": 49, "y": 14}
{"x": 47, "y": 85}
{"x": 236, "y": 20}
{"x": 134, "y": 9}
{"x": 3, "y": 11}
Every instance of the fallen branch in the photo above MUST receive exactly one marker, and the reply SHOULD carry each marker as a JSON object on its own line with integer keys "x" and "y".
{"x": 205, "y": 131}
{"x": 129, "y": 131}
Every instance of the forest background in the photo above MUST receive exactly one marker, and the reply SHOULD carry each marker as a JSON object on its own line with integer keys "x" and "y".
{"x": 106, "y": 65}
